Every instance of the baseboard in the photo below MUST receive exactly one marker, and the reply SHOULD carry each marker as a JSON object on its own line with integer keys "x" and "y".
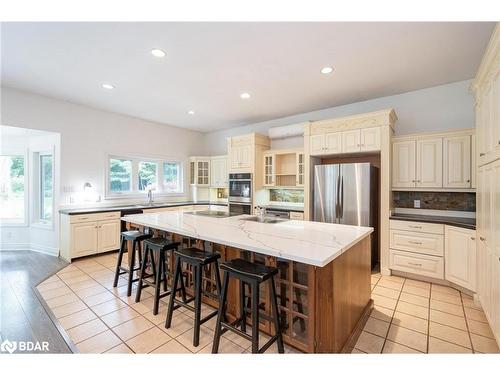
{"x": 30, "y": 247}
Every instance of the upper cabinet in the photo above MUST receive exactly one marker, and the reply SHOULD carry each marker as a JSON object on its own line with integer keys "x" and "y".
{"x": 344, "y": 142}
{"x": 218, "y": 172}
{"x": 433, "y": 161}
{"x": 245, "y": 151}
{"x": 199, "y": 171}
{"x": 283, "y": 168}
{"x": 457, "y": 162}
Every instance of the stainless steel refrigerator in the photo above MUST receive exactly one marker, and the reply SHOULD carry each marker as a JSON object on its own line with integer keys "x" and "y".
{"x": 348, "y": 194}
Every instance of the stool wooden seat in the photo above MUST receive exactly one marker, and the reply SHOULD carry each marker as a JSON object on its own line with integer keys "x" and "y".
{"x": 136, "y": 237}
{"x": 155, "y": 248}
{"x": 197, "y": 259}
{"x": 251, "y": 274}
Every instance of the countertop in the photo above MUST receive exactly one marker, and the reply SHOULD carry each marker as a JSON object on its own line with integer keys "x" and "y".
{"x": 286, "y": 208}
{"x": 463, "y": 222}
{"x": 306, "y": 242}
{"x": 125, "y": 207}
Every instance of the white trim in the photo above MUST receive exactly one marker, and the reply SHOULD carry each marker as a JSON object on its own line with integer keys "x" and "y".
{"x": 29, "y": 247}
{"x": 423, "y": 211}
{"x": 35, "y": 220}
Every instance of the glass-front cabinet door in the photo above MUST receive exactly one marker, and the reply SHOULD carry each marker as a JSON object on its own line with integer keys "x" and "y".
{"x": 203, "y": 172}
{"x": 300, "y": 169}
{"x": 269, "y": 170}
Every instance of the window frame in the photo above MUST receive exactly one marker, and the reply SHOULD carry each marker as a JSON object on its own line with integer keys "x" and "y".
{"x": 11, "y": 222}
{"x": 39, "y": 219}
{"x": 134, "y": 192}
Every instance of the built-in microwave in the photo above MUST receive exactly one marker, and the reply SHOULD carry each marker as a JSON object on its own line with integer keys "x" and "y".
{"x": 240, "y": 188}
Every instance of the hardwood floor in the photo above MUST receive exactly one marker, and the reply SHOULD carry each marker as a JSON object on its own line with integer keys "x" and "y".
{"x": 22, "y": 315}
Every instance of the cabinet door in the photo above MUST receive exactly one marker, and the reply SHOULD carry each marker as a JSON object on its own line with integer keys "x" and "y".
{"x": 300, "y": 169}
{"x": 108, "y": 235}
{"x": 269, "y": 170}
{"x": 430, "y": 163}
{"x": 244, "y": 156}
{"x": 317, "y": 144}
{"x": 333, "y": 143}
{"x": 403, "y": 164}
{"x": 457, "y": 162}
{"x": 473, "y": 161}
{"x": 202, "y": 172}
{"x": 192, "y": 172}
{"x": 351, "y": 141}
{"x": 84, "y": 239}
{"x": 215, "y": 172}
{"x": 234, "y": 157}
{"x": 460, "y": 257}
{"x": 370, "y": 139}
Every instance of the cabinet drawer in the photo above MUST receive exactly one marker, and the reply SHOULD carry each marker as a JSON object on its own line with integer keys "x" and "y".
{"x": 296, "y": 216}
{"x": 423, "y": 243}
{"x": 425, "y": 265}
{"x": 94, "y": 217}
{"x": 416, "y": 226}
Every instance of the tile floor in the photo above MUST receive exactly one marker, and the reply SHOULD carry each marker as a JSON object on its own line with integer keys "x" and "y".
{"x": 409, "y": 317}
{"x": 417, "y": 317}
{"x": 101, "y": 319}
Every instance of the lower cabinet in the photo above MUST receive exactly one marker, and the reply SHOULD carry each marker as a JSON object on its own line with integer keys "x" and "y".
{"x": 460, "y": 256}
{"x": 434, "y": 250}
{"x": 89, "y": 234}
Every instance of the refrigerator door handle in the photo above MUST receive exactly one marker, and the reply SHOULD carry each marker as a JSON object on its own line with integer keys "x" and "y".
{"x": 337, "y": 200}
{"x": 341, "y": 202}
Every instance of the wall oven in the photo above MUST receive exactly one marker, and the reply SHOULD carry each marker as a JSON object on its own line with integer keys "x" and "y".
{"x": 240, "y": 193}
{"x": 240, "y": 187}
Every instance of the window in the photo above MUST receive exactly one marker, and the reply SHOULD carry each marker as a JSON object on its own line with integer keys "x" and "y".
{"x": 134, "y": 176}
{"x": 12, "y": 188}
{"x": 171, "y": 177}
{"x": 46, "y": 189}
{"x": 147, "y": 175}
{"x": 120, "y": 175}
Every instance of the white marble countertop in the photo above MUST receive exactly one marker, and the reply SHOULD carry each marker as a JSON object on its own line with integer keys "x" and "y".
{"x": 306, "y": 242}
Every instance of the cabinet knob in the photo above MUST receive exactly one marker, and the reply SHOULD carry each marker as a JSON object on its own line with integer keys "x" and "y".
{"x": 482, "y": 238}
{"x": 473, "y": 238}
{"x": 468, "y": 180}
{"x": 482, "y": 154}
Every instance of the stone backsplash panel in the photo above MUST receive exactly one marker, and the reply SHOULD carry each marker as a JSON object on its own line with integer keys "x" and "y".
{"x": 286, "y": 195}
{"x": 435, "y": 200}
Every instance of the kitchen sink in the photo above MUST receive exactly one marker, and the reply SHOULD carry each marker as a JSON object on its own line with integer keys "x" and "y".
{"x": 265, "y": 220}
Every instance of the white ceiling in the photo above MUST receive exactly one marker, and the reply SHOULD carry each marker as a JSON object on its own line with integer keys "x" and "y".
{"x": 208, "y": 65}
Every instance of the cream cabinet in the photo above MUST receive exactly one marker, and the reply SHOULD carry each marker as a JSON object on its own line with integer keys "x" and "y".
{"x": 269, "y": 171}
{"x": 300, "y": 169}
{"x": 345, "y": 142}
{"x": 89, "y": 234}
{"x": 218, "y": 172}
{"x": 283, "y": 168}
{"x": 241, "y": 157}
{"x": 351, "y": 141}
{"x": 460, "y": 256}
{"x": 199, "y": 168}
{"x": 429, "y": 172}
{"x": 433, "y": 161}
{"x": 403, "y": 164}
{"x": 457, "y": 162}
{"x": 326, "y": 144}
{"x": 296, "y": 215}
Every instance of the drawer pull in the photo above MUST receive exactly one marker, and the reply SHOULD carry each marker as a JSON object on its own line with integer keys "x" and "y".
{"x": 482, "y": 238}
{"x": 415, "y": 226}
{"x": 415, "y": 264}
{"x": 482, "y": 154}
{"x": 473, "y": 238}
{"x": 415, "y": 242}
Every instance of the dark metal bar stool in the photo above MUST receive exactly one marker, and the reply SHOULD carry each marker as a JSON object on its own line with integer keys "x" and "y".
{"x": 198, "y": 259}
{"x": 251, "y": 274}
{"x": 136, "y": 237}
{"x": 155, "y": 247}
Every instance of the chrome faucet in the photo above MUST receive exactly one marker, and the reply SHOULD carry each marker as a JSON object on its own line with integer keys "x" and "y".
{"x": 262, "y": 213}
{"x": 150, "y": 196}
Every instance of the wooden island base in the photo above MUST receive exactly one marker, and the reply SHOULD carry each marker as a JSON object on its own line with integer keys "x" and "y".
{"x": 322, "y": 309}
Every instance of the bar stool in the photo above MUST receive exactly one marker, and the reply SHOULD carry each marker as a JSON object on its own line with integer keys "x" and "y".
{"x": 253, "y": 275}
{"x": 198, "y": 259}
{"x": 136, "y": 237}
{"x": 155, "y": 247}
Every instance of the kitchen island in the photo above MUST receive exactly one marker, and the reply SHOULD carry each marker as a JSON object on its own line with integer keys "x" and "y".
{"x": 323, "y": 284}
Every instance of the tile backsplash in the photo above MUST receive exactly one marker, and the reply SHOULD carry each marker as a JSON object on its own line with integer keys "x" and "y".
{"x": 435, "y": 200}
{"x": 286, "y": 195}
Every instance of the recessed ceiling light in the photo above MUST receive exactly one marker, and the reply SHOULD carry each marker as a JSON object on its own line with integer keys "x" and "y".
{"x": 190, "y": 112}
{"x": 327, "y": 70}
{"x": 245, "y": 95}
{"x": 107, "y": 86}
{"x": 158, "y": 52}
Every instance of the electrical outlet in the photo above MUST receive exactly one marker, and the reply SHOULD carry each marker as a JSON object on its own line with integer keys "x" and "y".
{"x": 416, "y": 203}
